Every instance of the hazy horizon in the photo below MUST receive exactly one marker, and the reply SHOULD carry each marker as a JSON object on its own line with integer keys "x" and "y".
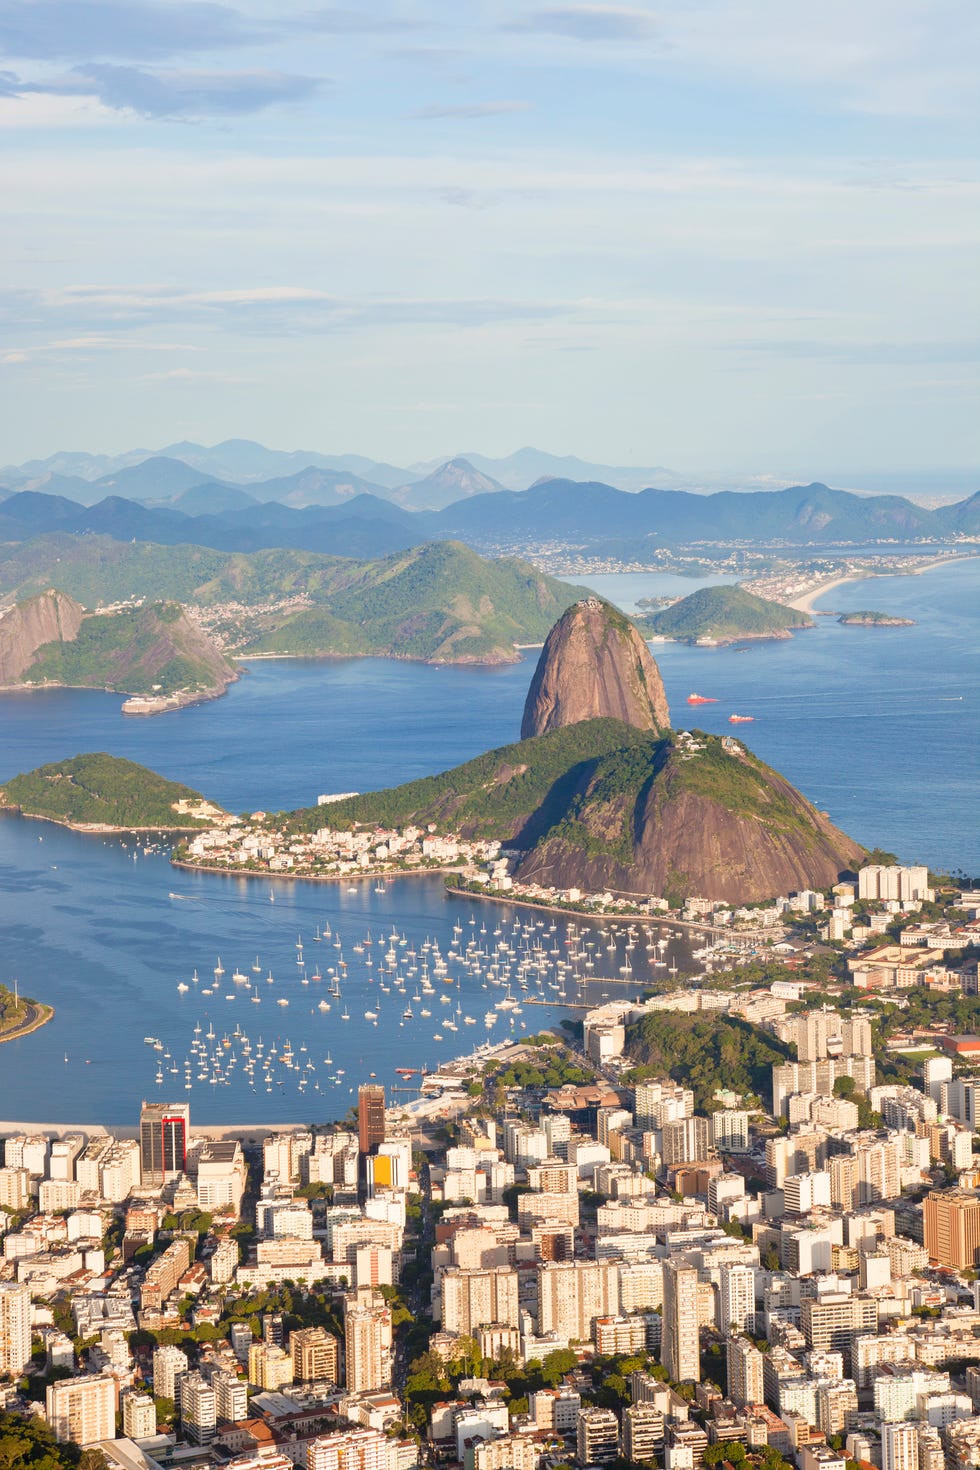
{"x": 736, "y": 239}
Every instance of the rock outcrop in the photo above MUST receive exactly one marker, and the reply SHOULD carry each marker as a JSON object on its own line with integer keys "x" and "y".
{"x": 50, "y": 617}
{"x": 688, "y": 816}
{"x": 154, "y": 650}
{"x": 595, "y": 664}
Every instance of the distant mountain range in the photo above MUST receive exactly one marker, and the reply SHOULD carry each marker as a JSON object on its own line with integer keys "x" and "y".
{"x": 314, "y": 511}
{"x": 263, "y": 472}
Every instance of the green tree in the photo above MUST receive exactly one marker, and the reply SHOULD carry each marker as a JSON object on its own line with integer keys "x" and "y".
{"x": 557, "y": 1363}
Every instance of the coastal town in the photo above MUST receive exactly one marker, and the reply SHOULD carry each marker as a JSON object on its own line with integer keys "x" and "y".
{"x": 733, "y": 1222}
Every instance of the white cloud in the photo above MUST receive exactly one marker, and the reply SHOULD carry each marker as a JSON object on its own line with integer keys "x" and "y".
{"x": 463, "y": 110}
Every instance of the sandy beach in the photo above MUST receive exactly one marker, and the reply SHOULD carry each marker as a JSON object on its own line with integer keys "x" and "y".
{"x": 804, "y": 603}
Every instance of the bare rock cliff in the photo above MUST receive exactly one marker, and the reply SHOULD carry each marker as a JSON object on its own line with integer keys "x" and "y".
{"x": 595, "y": 664}
{"x": 690, "y": 817}
{"x": 50, "y": 617}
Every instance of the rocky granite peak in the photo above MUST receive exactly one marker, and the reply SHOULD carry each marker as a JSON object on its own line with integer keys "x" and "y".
{"x": 595, "y": 664}
{"x": 49, "y": 617}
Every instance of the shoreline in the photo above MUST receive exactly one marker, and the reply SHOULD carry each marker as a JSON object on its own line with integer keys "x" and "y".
{"x": 163, "y": 703}
{"x": 40, "y": 1015}
{"x": 351, "y": 878}
{"x": 92, "y": 829}
{"x": 804, "y": 603}
{"x": 597, "y": 916}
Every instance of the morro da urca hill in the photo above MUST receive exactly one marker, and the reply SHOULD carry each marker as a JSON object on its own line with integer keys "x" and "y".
{"x": 688, "y": 815}
{"x": 50, "y": 617}
{"x": 594, "y": 665}
{"x": 100, "y": 790}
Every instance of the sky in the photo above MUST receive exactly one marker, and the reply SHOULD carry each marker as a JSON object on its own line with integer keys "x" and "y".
{"x": 717, "y": 235}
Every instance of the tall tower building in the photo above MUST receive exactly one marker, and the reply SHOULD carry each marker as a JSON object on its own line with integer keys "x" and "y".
{"x": 367, "y": 1335}
{"x": 198, "y": 1410}
{"x": 315, "y": 1355}
{"x": 139, "y": 1416}
{"x": 15, "y": 1329}
{"x": 951, "y": 1228}
{"x": 230, "y": 1397}
{"x": 680, "y": 1348}
{"x": 737, "y": 1298}
{"x": 370, "y": 1116}
{"x": 82, "y": 1410}
{"x": 900, "y": 1446}
{"x": 745, "y": 1365}
{"x": 169, "y": 1363}
{"x": 164, "y": 1133}
{"x": 477, "y": 1298}
{"x": 572, "y": 1294}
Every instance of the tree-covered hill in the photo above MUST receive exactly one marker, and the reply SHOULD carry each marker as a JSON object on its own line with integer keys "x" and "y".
{"x": 493, "y": 796}
{"x": 440, "y": 601}
{"x": 140, "y": 650}
{"x": 600, "y": 804}
{"x": 104, "y": 790}
{"x": 725, "y": 614}
{"x": 705, "y": 1051}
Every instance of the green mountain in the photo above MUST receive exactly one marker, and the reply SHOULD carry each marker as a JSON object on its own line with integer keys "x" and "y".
{"x": 102, "y": 790}
{"x": 496, "y": 795}
{"x": 601, "y": 805}
{"x": 439, "y": 601}
{"x": 142, "y": 650}
{"x": 724, "y": 614}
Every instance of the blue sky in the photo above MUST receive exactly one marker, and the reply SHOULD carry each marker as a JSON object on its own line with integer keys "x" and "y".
{"x": 725, "y": 237}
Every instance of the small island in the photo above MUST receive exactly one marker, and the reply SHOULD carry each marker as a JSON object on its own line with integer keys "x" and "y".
{"x": 20, "y": 1015}
{"x": 728, "y": 614}
{"x": 103, "y": 793}
{"x": 873, "y": 620}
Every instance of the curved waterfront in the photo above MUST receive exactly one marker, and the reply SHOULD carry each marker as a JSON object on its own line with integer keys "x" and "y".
{"x": 877, "y": 726}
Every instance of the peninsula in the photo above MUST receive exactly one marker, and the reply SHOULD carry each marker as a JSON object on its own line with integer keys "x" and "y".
{"x": 438, "y": 603}
{"x": 104, "y": 793}
{"x": 153, "y": 651}
{"x": 20, "y": 1015}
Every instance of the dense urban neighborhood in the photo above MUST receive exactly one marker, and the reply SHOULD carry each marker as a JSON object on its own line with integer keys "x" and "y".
{"x": 736, "y": 1220}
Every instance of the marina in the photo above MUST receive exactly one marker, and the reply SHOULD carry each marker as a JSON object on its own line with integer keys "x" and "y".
{"x": 104, "y": 929}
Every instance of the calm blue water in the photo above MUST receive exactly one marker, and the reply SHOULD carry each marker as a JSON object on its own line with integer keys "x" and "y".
{"x": 879, "y": 727}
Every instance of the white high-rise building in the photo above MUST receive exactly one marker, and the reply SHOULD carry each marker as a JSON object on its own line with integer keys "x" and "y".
{"x": 730, "y": 1130}
{"x": 139, "y": 1416}
{"x": 168, "y": 1365}
{"x": 230, "y": 1397}
{"x": 15, "y": 1329}
{"x": 475, "y": 1298}
{"x": 82, "y": 1410}
{"x": 736, "y": 1298}
{"x": 936, "y": 1071}
{"x": 901, "y": 884}
{"x": 900, "y": 1446}
{"x": 680, "y": 1348}
{"x": 745, "y": 1372}
{"x": 572, "y": 1294}
{"x": 198, "y": 1412}
{"x": 367, "y": 1334}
